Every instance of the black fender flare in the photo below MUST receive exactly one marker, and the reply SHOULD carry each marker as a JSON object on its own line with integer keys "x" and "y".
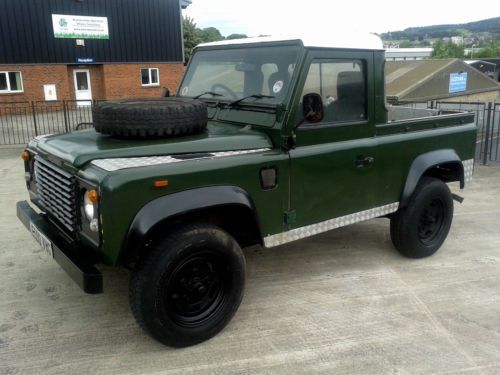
{"x": 425, "y": 162}
{"x": 184, "y": 202}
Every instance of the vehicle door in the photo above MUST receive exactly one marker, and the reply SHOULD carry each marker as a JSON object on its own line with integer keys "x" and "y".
{"x": 334, "y": 165}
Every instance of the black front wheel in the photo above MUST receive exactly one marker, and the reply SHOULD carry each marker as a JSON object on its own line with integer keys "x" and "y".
{"x": 419, "y": 229}
{"x": 189, "y": 286}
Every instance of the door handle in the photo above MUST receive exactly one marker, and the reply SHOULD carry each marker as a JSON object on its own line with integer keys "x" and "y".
{"x": 366, "y": 162}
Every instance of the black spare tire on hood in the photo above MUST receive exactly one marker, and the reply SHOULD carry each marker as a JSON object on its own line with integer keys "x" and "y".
{"x": 150, "y": 118}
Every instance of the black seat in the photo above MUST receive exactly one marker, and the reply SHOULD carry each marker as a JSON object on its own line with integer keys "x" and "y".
{"x": 350, "y": 104}
{"x": 278, "y": 84}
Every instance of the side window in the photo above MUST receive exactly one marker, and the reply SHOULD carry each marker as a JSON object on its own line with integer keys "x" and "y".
{"x": 10, "y": 82}
{"x": 342, "y": 86}
{"x": 149, "y": 77}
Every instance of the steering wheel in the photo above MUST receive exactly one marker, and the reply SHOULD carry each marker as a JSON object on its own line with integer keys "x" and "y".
{"x": 225, "y": 88}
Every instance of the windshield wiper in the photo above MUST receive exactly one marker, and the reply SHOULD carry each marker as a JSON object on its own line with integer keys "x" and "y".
{"x": 256, "y": 96}
{"x": 207, "y": 93}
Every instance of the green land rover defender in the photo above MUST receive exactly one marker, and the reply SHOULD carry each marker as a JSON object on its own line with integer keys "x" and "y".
{"x": 267, "y": 141}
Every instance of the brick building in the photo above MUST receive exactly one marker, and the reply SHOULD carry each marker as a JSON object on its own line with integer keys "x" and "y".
{"x": 89, "y": 49}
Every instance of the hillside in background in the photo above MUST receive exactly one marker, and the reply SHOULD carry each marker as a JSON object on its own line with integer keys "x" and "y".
{"x": 484, "y": 30}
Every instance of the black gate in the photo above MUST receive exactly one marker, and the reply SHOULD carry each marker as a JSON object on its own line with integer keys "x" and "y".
{"x": 488, "y": 130}
{"x": 22, "y": 121}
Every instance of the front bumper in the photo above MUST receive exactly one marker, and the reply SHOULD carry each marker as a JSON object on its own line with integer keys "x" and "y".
{"x": 65, "y": 253}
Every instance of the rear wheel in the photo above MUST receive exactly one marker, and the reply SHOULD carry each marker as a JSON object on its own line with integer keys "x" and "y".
{"x": 419, "y": 229}
{"x": 190, "y": 285}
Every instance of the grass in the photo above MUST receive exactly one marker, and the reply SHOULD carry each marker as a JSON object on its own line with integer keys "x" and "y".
{"x": 80, "y": 36}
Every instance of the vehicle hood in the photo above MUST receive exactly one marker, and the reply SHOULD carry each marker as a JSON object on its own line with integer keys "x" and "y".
{"x": 81, "y": 147}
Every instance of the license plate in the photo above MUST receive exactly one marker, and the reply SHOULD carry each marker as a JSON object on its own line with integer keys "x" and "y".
{"x": 42, "y": 240}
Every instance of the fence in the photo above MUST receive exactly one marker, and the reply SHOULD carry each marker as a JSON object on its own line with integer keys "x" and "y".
{"x": 22, "y": 121}
{"x": 487, "y": 118}
{"x": 488, "y": 127}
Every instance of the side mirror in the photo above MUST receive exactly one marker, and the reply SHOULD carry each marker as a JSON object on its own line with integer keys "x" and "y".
{"x": 166, "y": 92}
{"x": 313, "y": 108}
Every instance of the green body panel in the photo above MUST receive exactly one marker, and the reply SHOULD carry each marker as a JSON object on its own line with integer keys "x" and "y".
{"x": 397, "y": 152}
{"x": 81, "y": 147}
{"x": 317, "y": 177}
{"x": 326, "y": 183}
{"x": 125, "y": 192}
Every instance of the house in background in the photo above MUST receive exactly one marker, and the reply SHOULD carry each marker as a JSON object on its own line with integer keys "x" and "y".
{"x": 89, "y": 49}
{"x": 489, "y": 69}
{"x": 447, "y": 80}
{"x": 495, "y": 61}
{"x": 404, "y": 54}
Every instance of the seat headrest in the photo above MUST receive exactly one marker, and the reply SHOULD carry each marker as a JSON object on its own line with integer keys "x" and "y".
{"x": 350, "y": 85}
{"x": 278, "y": 83}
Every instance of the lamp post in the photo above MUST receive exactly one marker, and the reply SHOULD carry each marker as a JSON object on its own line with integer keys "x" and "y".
{"x": 472, "y": 52}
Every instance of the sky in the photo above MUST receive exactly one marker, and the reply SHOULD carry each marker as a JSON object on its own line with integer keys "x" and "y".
{"x": 273, "y": 17}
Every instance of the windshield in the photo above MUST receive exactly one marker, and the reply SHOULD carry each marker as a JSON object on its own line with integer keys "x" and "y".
{"x": 263, "y": 74}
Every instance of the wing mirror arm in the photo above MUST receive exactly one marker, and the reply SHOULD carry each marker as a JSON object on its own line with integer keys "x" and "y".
{"x": 297, "y": 125}
{"x": 313, "y": 113}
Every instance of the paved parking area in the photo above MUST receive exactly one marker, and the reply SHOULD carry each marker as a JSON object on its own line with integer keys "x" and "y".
{"x": 341, "y": 303}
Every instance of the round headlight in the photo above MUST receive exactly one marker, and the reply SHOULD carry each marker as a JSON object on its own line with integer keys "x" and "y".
{"x": 88, "y": 206}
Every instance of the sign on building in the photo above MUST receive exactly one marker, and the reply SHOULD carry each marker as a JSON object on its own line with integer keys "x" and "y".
{"x": 458, "y": 82}
{"x": 50, "y": 92}
{"x": 80, "y": 27}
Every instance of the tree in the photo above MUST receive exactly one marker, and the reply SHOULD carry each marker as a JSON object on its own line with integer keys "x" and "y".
{"x": 209, "y": 34}
{"x": 446, "y": 50}
{"x": 236, "y": 36}
{"x": 194, "y": 36}
{"x": 191, "y": 37}
{"x": 492, "y": 49}
{"x": 405, "y": 44}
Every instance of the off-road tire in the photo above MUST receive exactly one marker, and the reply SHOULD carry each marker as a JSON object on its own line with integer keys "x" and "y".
{"x": 160, "y": 294}
{"x": 419, "y": 229}
{"x": 150, "y": 118}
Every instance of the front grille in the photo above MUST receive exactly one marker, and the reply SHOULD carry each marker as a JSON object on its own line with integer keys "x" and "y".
{"x": 57, "y": 192}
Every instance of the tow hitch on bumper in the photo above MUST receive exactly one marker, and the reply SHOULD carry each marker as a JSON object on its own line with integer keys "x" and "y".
{"x": 88, "y": 277}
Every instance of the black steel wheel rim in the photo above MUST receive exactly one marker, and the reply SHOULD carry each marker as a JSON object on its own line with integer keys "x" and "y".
{"x": 431, "y": 220}
{"x": 195, "y": 290}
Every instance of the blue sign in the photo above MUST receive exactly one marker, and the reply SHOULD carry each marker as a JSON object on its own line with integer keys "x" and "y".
{"x": 85, "y": 60}
{"x": 458, "y": 82}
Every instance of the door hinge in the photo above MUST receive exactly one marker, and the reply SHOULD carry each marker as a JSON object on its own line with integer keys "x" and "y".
{"x": 290, "y": 142}
{"x": 290, "y": 217}
{"x": 281, "y": 113}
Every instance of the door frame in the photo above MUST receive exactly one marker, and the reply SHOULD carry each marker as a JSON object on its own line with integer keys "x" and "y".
{"x": 75, "y": 83}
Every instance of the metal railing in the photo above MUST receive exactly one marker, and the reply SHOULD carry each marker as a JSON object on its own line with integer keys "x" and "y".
{"x": 491, "y": 141}
{"x": 487, "y": 118}
{"x": 22, "y": 121}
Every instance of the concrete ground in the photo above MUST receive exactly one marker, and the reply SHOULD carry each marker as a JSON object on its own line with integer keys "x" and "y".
{"x": 341, "y": 303}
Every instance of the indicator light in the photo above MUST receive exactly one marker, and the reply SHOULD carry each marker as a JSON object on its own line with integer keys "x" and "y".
{"x": 163, "y": 183}
{"x": 93, "y": 196}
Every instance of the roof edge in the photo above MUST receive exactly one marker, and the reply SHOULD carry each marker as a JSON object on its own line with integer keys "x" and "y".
{"x": 426, "y": 79}
{"x": 437, "y": 97}
{"x": 345, "y": 41}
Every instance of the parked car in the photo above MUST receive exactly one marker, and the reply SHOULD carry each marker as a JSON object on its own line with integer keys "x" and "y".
{"x": 268, "y": 141}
